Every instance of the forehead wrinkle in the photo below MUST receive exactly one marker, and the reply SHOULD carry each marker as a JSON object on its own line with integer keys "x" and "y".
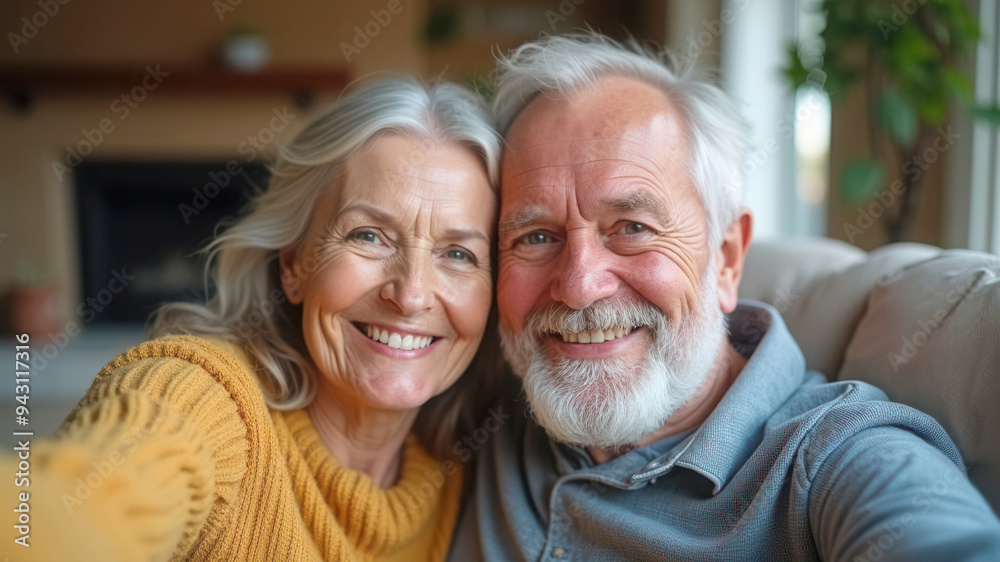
{"x": 627, "y": 161}
{"x": 576, "y": 151}
{"x": 583, "y": 163}
{"x": 425, "y": 174}
{"x": 536, "y": 169}
{"x": 432, "y": 206}
{"x": 531, "y": 148}
{"x": 639, "y": 161}
{"x": 576, "y": 144}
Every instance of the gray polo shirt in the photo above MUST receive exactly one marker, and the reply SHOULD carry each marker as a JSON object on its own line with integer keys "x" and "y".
{"x": 787, "y": 467}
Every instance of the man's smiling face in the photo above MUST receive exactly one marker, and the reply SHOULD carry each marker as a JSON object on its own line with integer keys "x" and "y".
{"x": 598, "y": 204}
{"x": 599, "y": 216}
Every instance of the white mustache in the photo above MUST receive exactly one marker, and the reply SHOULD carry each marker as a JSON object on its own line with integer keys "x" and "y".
{"x": 601, "y": 315}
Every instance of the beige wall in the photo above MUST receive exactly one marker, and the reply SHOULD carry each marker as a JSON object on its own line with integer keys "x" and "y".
{"x": 36, "y": 210}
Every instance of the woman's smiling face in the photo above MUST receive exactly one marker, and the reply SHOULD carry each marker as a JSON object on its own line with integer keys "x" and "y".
{"x": 394, "y": 273}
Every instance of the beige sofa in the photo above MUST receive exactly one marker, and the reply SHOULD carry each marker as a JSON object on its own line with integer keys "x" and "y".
{"x": 921, "y": 323}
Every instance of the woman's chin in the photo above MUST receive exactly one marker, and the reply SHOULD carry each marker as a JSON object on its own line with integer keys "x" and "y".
{"x": 397, "y": 393}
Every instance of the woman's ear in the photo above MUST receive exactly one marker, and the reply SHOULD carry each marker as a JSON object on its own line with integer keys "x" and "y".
{"x": 291, "y": 274}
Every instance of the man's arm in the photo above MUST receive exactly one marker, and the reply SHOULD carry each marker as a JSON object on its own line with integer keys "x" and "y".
{"x": 886, "y": 494}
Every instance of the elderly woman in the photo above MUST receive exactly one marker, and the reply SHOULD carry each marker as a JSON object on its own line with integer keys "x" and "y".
{"x": 314, "y": 407}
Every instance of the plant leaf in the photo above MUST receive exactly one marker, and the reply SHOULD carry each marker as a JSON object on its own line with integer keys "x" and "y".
{"x": 988, "y": 113}
{"x": 957, "y": 82}
{"x": 795, "y": 72}
{"x": 897, "y": 116}
{"x": 859, "y": 180}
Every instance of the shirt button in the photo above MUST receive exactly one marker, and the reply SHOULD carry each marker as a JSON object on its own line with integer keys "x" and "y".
{"x": 558, "y": 552}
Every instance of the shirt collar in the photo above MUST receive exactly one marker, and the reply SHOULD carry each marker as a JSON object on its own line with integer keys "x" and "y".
{"x": 775, "y": 369}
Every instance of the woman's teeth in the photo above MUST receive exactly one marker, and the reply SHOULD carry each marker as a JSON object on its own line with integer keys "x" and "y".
{"x": 396, "y": 340}
{"x": 596, "y": 336}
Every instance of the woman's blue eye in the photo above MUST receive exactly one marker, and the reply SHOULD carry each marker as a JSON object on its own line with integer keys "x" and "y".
{"x": 460, "y": 255}
{"x": 366, "y": 236}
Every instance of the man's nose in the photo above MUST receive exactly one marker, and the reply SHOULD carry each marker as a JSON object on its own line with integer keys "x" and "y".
{"x": 585, "y": 276}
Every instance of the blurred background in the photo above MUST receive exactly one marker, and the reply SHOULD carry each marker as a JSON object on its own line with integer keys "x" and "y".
{"x": 128, "y": 131}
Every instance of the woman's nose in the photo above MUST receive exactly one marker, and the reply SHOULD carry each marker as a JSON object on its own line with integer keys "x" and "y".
{"x": 411, "y": 287}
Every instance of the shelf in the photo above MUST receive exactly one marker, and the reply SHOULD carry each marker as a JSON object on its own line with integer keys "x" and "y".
{"x": 21, "y": 83}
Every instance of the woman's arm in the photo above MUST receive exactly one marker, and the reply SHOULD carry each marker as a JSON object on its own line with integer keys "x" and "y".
{"x": 136, "y": 469}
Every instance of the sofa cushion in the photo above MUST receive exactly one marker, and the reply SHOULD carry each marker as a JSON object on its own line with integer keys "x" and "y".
{"x": 930, "y": 338}
{"x": 820, "y": 287}
{"x": 767, "y": 277}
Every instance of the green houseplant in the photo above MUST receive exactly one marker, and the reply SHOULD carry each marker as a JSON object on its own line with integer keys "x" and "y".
{"x": 906, "y": 54}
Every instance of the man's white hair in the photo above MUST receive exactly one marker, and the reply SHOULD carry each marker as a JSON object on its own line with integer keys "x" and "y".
{"x": 567, "y": 64}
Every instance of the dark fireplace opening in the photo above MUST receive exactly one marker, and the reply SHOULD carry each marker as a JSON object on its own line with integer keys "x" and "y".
{"x": 140, "y": 225}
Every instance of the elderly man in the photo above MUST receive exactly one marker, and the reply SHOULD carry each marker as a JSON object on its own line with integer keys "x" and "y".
{"x": 653, "y": 432}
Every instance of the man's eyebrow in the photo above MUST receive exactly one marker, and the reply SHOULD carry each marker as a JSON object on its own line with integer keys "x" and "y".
{"x": 636, "y": 201}
{"x": 639, "y": 201}
{"x": 521, "y": 218}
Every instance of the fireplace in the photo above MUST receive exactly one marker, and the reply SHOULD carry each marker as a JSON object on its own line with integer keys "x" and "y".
{"x": 140, "y": 224}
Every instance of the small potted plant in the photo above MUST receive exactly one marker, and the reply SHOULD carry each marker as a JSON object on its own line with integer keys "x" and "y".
{"x": 35, "y": 307}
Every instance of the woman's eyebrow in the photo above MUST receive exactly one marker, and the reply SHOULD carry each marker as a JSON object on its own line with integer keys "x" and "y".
{"x": 370, "y": 210}
{"x": 465, "y": 234}
{"x": 382, "y": 216}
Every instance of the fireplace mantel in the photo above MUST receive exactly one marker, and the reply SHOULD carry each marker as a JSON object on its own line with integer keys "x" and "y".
{"x": 21, "y": 82}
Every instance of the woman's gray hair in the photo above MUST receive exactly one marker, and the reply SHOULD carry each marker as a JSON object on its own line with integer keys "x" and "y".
{"x": 249, "y": 307}
{"x": 568, "y": 64}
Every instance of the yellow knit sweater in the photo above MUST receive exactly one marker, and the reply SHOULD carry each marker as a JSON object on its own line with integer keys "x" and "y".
{"x": 173, "y": 454}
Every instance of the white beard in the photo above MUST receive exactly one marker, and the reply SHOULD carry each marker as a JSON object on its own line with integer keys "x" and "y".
{"x": 609, "y": 402}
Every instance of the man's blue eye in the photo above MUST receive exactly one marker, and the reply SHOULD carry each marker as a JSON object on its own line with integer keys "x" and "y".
{"x": 635, "y": 228}
{"x": 537, "y": 238}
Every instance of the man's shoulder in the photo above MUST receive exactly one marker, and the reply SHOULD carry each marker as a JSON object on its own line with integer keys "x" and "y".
{"x": 817, "y": 395}
{"x": 826, "y": 415}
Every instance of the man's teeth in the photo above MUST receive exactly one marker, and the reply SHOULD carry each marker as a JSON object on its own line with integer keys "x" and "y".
{"x": 398, "y": 341}
{"x": 596, "y": 336}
